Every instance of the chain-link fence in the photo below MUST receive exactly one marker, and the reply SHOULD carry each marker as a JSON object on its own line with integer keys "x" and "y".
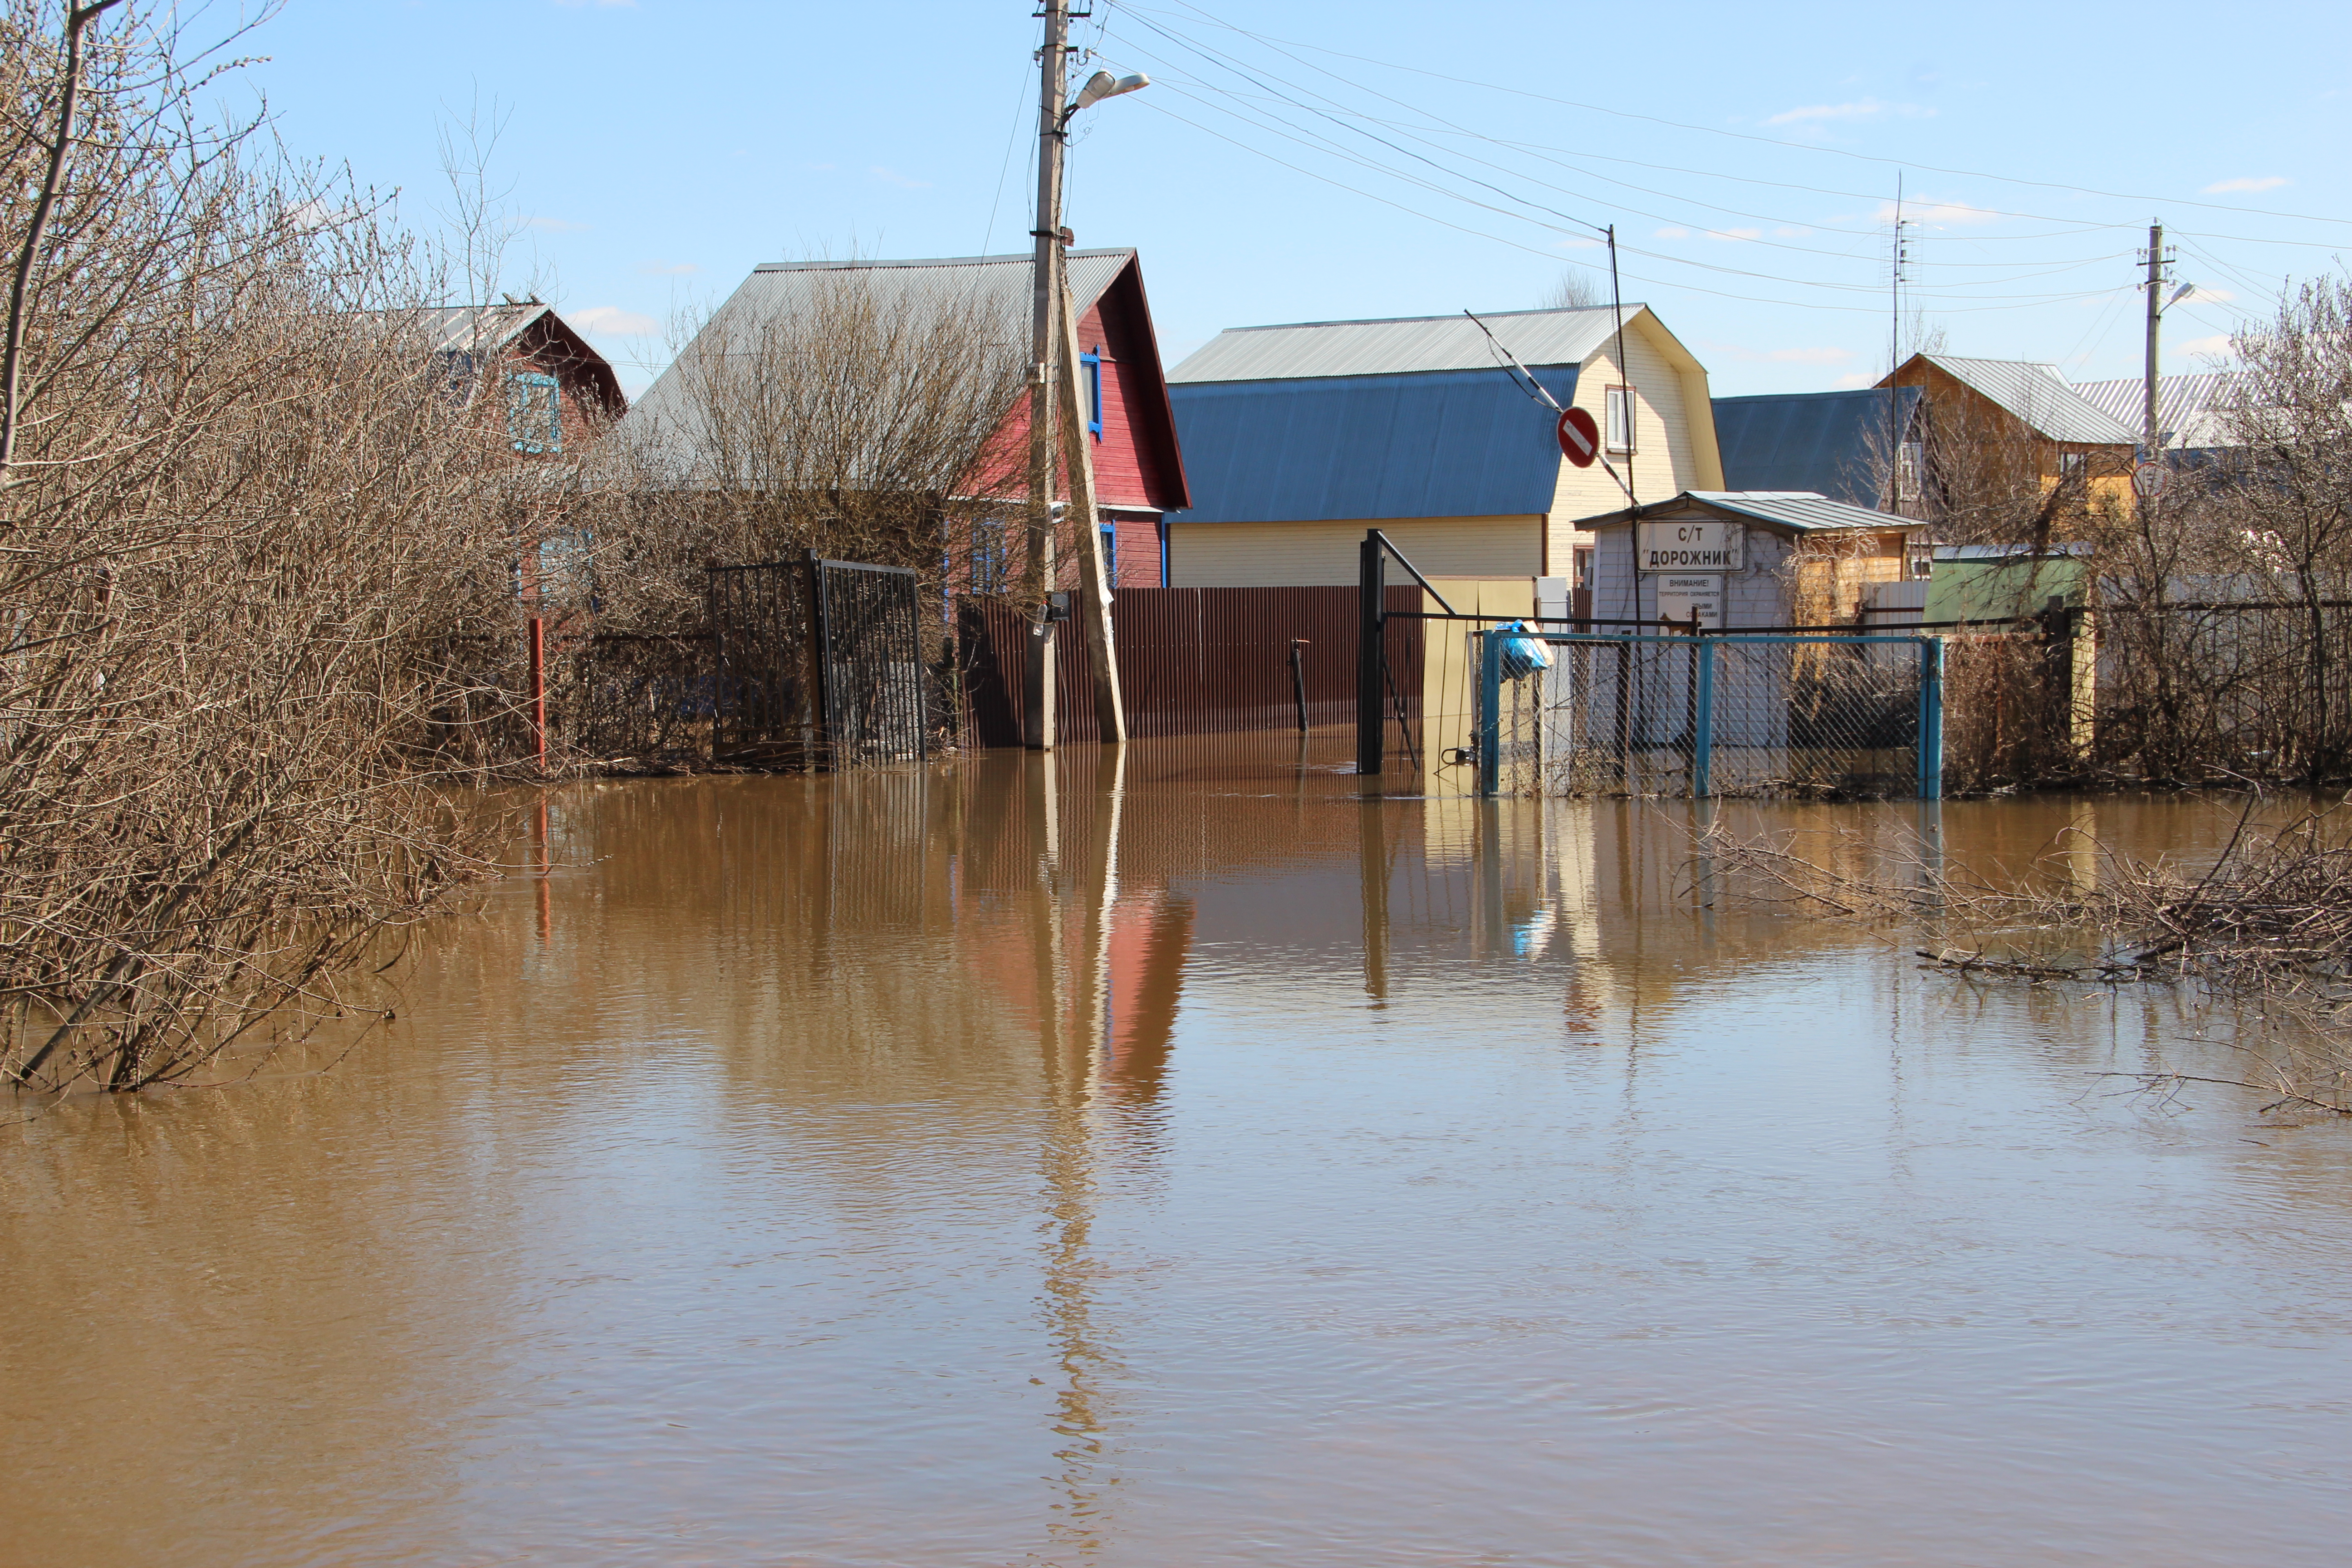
{"x": 1822, "y": 716}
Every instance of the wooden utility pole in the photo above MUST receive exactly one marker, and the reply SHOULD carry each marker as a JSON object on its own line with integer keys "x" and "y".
{"x": 1039, "y": 572}
{"x": 1059, "y": 399}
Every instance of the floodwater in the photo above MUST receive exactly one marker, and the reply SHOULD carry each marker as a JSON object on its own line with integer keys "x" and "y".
{"x": 1178, "y": 1161}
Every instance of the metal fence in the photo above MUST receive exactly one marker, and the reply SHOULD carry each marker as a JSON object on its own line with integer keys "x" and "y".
{"x": 817, "y": 664}
{"x": 1749, "y": 714}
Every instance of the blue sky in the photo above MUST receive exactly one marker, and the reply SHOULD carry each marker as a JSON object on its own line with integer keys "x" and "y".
{"x": 1320, "y": 160}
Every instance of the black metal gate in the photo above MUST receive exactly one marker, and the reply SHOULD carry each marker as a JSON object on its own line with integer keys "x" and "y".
{"x": 819, "y": 664}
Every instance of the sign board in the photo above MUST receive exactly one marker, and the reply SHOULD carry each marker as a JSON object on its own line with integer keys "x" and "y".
{"x": 2150, "y": 479}
{"x": 1690, "y": 546}
{"x": 1680, "y": 596}
{"x": 1579, "y": 437}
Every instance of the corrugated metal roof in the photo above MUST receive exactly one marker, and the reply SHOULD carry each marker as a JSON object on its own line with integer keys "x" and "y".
{"x": 473, "y": 328}
{"x": 1462, "y": 443}
{"x": 2185, "y": 405}
{"x": 1400, "y": 347}
{"x": 2037, "y": 394}
{"x": 1803, "y": 512}
{"x": 1833, "y": 443}
{"x": 996, "y": 288}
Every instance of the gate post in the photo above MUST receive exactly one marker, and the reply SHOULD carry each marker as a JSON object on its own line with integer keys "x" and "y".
{"x": 1703, "y": 722}
{"x": 1371, "y": 657}
{"x": 1490, "y": 712}
{"x": 1931, "y": 718}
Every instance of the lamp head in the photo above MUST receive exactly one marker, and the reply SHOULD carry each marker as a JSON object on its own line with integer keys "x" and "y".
{"x": 1102, "y": 85}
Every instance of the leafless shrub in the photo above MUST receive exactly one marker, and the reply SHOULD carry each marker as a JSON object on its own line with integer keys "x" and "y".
{"x": 252, "y": 554}
{"x": 860, "y": 415}
{"x": 2266, "y": 927}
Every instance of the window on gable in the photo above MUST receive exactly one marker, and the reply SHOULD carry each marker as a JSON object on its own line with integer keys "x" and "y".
{"x": 1621, "y": 419}
{"x": 1908, "y": 461}
{"x": 1093, "y": 363}
{"x": 534, "y": 411}
{"x": 1110, "y": 554}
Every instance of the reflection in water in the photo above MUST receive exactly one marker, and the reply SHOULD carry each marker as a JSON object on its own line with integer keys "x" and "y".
{"x": 1171, "y": 1156}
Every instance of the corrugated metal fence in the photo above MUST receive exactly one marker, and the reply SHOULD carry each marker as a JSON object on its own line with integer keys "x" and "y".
{"x": 1191, "y": 661}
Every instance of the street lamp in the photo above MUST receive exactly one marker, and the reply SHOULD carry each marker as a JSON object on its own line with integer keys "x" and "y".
{"x": 1102, "y": 85}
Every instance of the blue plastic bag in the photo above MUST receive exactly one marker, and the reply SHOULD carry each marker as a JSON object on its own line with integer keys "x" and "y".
{"x": 1523, "y": 652}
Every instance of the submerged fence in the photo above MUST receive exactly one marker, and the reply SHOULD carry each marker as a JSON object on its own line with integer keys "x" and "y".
{"x": 1563, "y": 714}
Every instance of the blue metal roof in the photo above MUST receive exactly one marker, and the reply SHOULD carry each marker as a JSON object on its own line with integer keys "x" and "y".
{"x": 1832, "y": 443}
{"x": 1460, "y": 443}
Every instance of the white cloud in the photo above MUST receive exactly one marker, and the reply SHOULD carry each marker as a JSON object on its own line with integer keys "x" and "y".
{"x": 1734, "y": 234}
{"x": 892, "y": 177}
{"x": 1673, "y": 234}
{"x": 1791, "y": 231}
{"x": 612, "y": 321}
{"x": 659, "y": 268}
{"x": 554, "y": 226}
{"x": 2246, "y": 182}
{"x": 1861, "y": 109}
{"x": 2218, "y": 344}
{"x": 1859, "y": 378}
{"x": 1939, "y": 215}
{"x": 1824, "y": 355}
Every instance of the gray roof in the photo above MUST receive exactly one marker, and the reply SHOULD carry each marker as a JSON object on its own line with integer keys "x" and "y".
{"x": 1801, "y": 511}
{"x": 474, "y": 329}
{"x": 2186, "y": 406}
{"x": 1401, "y": 346}
{"x": 2038, "y": 395}
{"x": 996, "y": 287}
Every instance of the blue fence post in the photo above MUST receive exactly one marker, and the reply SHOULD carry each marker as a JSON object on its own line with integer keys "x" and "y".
{"x": 1931, "y": 718}
{"x": 1703, "y": 724}
{"x": 1490, "y": 710}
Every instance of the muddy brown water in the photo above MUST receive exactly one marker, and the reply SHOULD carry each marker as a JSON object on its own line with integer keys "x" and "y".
{"x": 1179, "y": 1160}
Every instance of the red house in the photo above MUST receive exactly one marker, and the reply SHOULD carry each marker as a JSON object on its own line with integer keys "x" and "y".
{"x": 1138, "y": 473}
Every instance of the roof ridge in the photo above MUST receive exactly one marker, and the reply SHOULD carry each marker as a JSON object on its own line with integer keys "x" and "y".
{"x": 1023, "y": 258}
{"x": 1409, "y": 321}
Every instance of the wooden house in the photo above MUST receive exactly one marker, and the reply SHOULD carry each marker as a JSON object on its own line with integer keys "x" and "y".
{"x": 1297, "y": 438}
{"x": 1989, "y": 428}
{"x": 1138, "y": 470}
{"x": 527, "y": 370}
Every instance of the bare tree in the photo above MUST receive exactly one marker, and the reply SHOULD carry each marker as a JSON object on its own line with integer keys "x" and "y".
{"x": 256, "y": 575}
{"x": 1576, "y": 289}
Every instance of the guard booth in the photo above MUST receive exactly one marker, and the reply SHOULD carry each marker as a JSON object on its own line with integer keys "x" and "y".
{"x": 1743, "y": 559}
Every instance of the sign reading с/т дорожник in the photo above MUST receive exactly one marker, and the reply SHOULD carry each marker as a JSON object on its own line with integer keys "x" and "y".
{"x": 1690, "y": 546}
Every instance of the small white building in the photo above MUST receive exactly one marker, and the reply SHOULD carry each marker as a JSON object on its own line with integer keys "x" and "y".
{"x": 1742, "y": 559}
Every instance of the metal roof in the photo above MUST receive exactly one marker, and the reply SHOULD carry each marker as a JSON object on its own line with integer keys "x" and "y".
{"x": 2038, "y": 395}
{"x": 2187, "y": 406}
{"x": 1461, "y": 443}
{"x": 1800, "y": 512}
{"x": 1833, "y": 443}
{"x": 473, "y": 328}
{"x": 1401, "y": 346}
{"x": 995, "y": 287}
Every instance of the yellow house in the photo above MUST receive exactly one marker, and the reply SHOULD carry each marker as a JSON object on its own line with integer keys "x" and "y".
{"x": 1297, "y": 438}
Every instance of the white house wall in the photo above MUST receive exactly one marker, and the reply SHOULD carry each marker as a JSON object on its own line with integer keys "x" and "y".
{"x": 1665, "y": 459}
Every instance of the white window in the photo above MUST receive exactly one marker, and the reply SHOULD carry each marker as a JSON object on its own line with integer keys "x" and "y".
{"x": 1906, "y": 472}
{"x": 2070, "y": 463}
{"x": 1621, "y": 419}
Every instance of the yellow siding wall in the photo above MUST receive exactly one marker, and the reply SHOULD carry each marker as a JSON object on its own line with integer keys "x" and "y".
{"x": 1665, "y": 462}
{"x": 1307, "y": 554}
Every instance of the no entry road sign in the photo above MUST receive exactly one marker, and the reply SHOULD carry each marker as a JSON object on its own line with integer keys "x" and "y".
{"x": 1579, "y": 437}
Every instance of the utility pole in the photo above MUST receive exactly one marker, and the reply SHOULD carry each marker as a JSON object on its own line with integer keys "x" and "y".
{"x": 1894, "y": 282}
{"x": 2151, "y": 433}
{"x": 1038, "y": 573}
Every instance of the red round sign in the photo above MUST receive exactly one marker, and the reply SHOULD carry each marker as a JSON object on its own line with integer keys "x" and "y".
{"x": 1579, "y": 437}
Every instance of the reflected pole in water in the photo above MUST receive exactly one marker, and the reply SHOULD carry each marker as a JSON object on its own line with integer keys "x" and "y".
{"x": 1373, "y": 864}
{"x": 546, "y": 870}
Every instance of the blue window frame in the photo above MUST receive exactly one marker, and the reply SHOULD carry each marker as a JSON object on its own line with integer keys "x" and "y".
{"x": 534, "y": 411}
{"x": 1110, "y": 554}
{"x": 1093, "y": 363}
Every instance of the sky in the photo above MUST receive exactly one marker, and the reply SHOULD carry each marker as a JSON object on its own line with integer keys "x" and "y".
{"x": 1327, "y": 160}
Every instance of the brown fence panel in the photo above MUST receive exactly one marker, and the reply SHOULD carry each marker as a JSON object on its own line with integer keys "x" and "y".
{"x": 1191, "y": 661}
